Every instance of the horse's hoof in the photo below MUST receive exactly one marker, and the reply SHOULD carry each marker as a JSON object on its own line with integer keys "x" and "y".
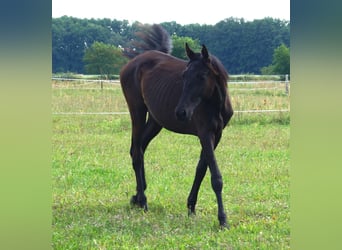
{"x": 134, "y": 202}
{"x": 224, "y": 226}
{"x": 191, "y": 212}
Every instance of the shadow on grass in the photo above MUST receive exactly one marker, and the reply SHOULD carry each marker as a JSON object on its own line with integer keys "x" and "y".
{"x": 77, "y": 225}
{"x": 118, "y": 225}
{"x": 122, "y": 218}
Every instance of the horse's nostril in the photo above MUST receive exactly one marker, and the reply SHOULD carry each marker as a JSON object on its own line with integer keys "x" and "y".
{"x": 181, "y": 114}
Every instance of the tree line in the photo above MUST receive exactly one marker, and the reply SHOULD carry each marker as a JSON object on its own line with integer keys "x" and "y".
{"x": 242, "y": 46}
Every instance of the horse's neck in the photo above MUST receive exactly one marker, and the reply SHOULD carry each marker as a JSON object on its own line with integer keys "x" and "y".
{"x": 223, "y": 101}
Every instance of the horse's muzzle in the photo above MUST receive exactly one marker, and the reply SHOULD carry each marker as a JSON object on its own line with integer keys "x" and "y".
{"x": 184, "y": 110}
{"x": 181, "y": 114}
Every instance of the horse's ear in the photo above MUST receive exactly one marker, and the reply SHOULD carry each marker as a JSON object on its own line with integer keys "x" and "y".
{"x": 204, "y": 52}
{"x": 189, "y": 52}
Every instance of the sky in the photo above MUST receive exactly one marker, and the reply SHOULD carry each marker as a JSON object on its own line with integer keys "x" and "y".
{"x": 180, "y": 11}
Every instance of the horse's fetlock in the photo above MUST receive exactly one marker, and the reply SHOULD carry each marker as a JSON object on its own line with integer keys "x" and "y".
{"x": 223, "y": 220}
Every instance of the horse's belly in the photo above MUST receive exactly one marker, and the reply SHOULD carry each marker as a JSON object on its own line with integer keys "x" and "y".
{"x": 172, "y": 124}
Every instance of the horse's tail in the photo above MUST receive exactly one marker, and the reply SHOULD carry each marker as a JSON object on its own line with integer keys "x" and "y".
{"x": 152, "y": 37}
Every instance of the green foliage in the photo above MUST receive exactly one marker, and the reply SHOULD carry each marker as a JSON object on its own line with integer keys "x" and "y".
{"x": 103, "y": 59}
{"x": 268, "y": 70}
{"x": 178, "y": 43}
{"x": 71, "y": 36}
{"x": 243, "y": 47}
{"x": 281, "y": 62}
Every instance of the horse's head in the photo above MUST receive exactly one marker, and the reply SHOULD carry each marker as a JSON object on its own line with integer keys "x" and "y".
{"x": 199, "y": 79}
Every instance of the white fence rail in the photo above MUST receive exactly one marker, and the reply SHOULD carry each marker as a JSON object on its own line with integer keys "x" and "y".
{"x": 83, "y": 80}
{"x": 118, "y": 81}
{"x": 89, "y": 81}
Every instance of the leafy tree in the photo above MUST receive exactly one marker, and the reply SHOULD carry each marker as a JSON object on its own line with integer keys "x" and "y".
{"x": 103, "y": 59}
{"x": 281, "y": 62}
{"x": 242, "y": 46}
{"x": 71, "y": 36}
{"x": 178, "y": 46}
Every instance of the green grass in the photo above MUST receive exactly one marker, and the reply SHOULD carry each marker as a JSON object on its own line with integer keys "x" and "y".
{"x": 93, "y": 181}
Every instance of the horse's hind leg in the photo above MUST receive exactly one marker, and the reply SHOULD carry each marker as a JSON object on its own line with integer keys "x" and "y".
{"x": 152, "y": 128}
{"x": 142, "y": 134}
{"x": 138, "y": 116}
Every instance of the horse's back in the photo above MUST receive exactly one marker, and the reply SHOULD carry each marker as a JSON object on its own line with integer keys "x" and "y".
{"x": 149, "y": 61}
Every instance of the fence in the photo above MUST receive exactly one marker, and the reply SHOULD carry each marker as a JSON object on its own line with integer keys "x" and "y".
{"x": 83, "y": 80}
{"x": 90, "y": 81}
{"x": 240, "y": 86}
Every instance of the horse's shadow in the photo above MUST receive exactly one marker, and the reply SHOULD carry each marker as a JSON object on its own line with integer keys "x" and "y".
{"x": 115, "y": 216}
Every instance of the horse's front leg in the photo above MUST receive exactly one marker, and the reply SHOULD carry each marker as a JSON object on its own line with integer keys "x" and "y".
{"x": 200, "y": 173}
{"x": 207, "y": 142}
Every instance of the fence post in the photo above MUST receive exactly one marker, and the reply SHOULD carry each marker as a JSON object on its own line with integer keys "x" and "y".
{"x": 287, "y": 84}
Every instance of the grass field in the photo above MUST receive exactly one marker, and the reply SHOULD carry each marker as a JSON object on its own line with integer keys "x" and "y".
{"x": 93, "y": 179}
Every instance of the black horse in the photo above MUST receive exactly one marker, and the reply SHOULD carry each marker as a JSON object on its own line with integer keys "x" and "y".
{"x": 188, "y": 97}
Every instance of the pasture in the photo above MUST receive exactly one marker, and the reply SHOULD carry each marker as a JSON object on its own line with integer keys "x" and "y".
{"x": 92, "y": 177}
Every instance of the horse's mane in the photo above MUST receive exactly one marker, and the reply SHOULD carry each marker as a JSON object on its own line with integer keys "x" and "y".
{"x": 220, "y": 69}
{"x": 152, "y": 37}
{"x": 222, "y": 79}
